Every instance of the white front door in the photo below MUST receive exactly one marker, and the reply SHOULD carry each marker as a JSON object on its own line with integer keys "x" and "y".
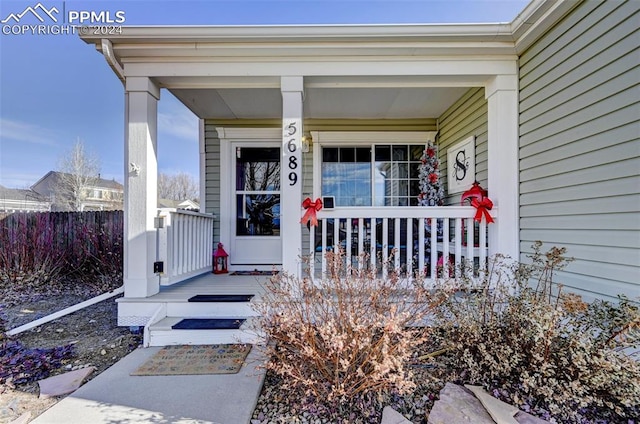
{"x": 255, "y": 205}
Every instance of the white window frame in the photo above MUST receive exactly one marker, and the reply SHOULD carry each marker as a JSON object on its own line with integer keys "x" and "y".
{"x": 359, "y": 139}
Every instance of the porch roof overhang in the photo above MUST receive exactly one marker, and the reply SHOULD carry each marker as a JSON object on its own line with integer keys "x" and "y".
{"x": 350, "y": 71}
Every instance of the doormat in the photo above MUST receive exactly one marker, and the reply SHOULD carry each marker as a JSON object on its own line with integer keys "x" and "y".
{"x": 221, "y": 298}
{"x": 254, "y": 272}
{"x": 208, "y": 324}
{"x": 195, "y": 360}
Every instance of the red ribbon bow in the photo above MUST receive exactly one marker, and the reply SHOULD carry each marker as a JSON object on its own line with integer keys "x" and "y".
{"x": 312, "y": 208}
{"x": 483, "y": 207}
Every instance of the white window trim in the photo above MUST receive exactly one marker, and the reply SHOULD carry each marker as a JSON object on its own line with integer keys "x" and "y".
{"x": 359, "y": 138}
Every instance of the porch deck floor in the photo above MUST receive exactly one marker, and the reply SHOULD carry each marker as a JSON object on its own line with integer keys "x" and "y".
{"x": 209, "y": 284}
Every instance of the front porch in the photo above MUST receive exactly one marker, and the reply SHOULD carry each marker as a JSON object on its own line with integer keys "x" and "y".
{"x": 412, "y": 241}
{"x": 158, "y": 313}
{"x": 262, "y": 95}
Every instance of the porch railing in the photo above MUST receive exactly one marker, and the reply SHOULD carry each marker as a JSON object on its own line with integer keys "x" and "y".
{"x": 184, "y": 244}
{"x": 431, "y": 241}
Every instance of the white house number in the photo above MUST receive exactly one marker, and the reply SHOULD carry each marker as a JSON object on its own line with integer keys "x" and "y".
{"x": 289, "y": 131}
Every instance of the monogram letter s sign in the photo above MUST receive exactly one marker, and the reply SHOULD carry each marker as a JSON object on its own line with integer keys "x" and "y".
{"x": 461, "y": 165}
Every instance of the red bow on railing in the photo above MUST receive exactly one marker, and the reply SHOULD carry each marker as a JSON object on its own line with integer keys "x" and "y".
{"x": 483, "y": 207}
{"x": 312, "y": 208}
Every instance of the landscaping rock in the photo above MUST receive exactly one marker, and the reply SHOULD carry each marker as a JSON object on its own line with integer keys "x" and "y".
{"x": 391, "y": 416}
{"x": 458, "y": 405}
{"x": 64, "y": 383}
{"x": 501, "y": 412}
{"x": 525, "y": 418}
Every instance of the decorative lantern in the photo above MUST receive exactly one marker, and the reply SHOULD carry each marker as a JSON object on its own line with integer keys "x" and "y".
{"x": 220, "y": 260}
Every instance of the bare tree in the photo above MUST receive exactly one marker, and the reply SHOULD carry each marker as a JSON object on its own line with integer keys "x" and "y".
{"x": 79, "y": 170}
{"x": 180, "y": 186}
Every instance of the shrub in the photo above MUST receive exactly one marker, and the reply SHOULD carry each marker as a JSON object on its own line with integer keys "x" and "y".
{"x": 342, "y": 344}
{"x": 519, "y": 335}
{"x": 42, "y": 252}
{"x": 19, "y": 365}
{"x": 30, "y": 258}
{"x": 98, "y": 253}
{"x": 3, "y": 323}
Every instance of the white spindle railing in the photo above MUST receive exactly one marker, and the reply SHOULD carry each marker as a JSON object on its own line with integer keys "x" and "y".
{"x": 412, "y": 240}
{"x": 184, "y": 244}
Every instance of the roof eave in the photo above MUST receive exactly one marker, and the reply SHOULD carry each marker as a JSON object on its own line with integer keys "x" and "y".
{"x": 536, "y": 19}
{"x": 302, "y": 33}
{"x": 145, "y": 42}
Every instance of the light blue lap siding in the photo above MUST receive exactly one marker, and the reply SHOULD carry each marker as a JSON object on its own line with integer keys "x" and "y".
{"x": 580, "y": 146}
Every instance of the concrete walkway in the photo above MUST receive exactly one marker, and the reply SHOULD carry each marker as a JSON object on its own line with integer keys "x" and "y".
{"x": 115, "y": 397}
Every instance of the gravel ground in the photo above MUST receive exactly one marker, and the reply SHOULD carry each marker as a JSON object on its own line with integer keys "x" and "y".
{"x": 275, "y": 408}
{"x": 97, "y": 341}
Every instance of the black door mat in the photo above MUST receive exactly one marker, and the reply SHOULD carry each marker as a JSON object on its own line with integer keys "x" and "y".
{"x": 208, "y": 324}
{"x": 221, "y": 298}
{"x": 255, "y": 272}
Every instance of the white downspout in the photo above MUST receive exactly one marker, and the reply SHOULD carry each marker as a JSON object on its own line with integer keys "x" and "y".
{"x": 65, "y": 311}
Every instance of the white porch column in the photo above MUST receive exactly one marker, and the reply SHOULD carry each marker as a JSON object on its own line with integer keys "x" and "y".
{"x": 203, "y": 166}
{"x": 291, "y": 174}
{"x": 140, "y": 186}
{"x": 503, "y": 179}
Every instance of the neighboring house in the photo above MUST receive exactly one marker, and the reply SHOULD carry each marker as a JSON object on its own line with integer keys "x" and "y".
{"x": 99, "y": 194}
{"x": 20, "y": 200}
{"x": 188, "y": 204}
{"x": 549, "y": 101}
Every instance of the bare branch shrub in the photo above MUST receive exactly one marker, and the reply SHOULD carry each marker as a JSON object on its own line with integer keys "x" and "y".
{"x": 180, "y": 186}
{"x": 98, "y": 254}
{"x": 79, "y": 171}
{"x": 542, "y": 349}
{"x": 29, "y": 258}
{"x": 43, "y": 253}
{"x": 342, "y": 344}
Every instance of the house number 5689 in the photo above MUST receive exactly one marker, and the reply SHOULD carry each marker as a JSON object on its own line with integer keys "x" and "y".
{"x": 293, "y": 160}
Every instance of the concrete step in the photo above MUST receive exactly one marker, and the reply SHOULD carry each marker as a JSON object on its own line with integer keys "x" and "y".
{"x": 210, "y": 309}
{"x": 161, "y": 333}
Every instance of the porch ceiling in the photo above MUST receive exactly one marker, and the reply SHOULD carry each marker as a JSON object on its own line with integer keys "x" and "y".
{"x": 321, "y": 103}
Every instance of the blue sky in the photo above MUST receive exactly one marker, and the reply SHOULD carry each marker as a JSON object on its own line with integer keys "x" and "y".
{"x": 55, "y": 89}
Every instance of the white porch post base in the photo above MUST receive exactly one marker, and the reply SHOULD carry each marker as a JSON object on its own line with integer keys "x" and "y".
{"x": 291, "y": 174}
{"x": 502, "y": 98}
{"x": 140, "y": 191}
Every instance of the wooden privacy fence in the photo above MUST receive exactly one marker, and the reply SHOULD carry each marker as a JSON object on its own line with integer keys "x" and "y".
{"x": 65, "y": 229}
{"x": 70, "y": 237}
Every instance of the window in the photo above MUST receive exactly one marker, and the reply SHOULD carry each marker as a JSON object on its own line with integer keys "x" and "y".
{"x": 257, "y": 191}
{"x": 346, "y": 175}
{"x": 375, "y": 175}
{"x": 396, "y": 175}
